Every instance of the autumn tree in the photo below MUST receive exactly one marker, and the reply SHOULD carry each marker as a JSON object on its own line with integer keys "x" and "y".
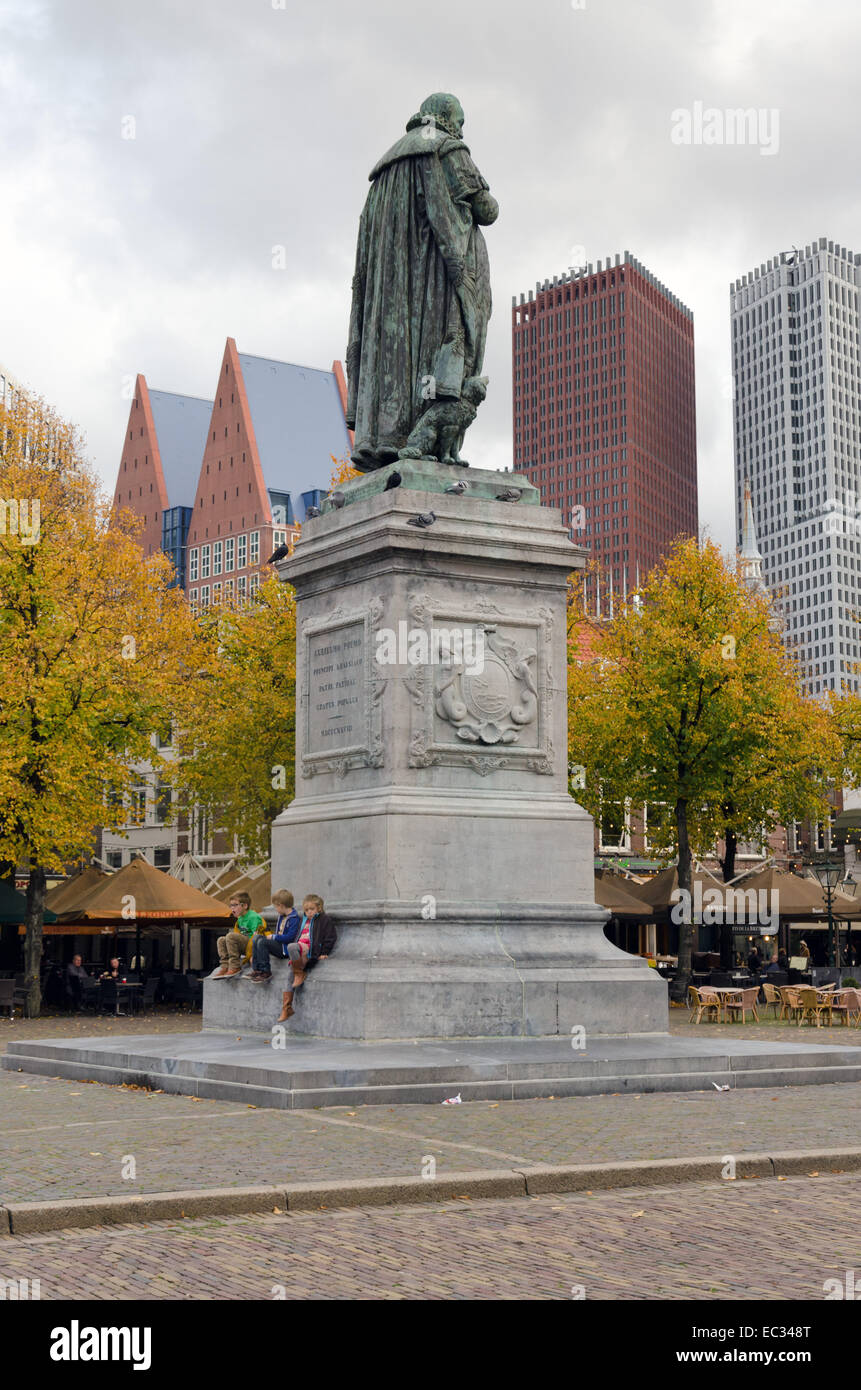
{"x": 91, "y": 637}
{"x": 342, "y": 471}
{"x": 236, "y": 719}
{"x": 687, "y": 703}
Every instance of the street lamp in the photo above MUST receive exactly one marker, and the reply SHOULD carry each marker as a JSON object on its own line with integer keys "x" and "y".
{"x": 829, "y": 875}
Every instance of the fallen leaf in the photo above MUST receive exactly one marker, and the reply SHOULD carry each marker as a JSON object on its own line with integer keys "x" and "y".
{"x": 635, "y": 1214}
{"x": 277, "y": 1211}
{"x": 94, "y": 1155}
{"x": 251, "y": 1107}
{"x": 837, "y": 1170}
{"x": 780, "y": 1179}
{"x": 814, "y": 1174}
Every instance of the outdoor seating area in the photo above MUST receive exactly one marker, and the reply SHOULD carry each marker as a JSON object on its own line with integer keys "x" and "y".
{"x": 132, "y": 994}
{"x": 802, "y": 1004}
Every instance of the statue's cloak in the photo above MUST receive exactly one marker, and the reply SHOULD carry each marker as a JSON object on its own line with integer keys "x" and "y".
{"x": 421, "y": 290}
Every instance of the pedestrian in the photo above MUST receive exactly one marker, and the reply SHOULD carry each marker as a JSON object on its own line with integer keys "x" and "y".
{"x": 314, "y": 942}
{"x": 232, "y": 946}
{"x": 286, "y": 931}
{"x": 75, "y": 976}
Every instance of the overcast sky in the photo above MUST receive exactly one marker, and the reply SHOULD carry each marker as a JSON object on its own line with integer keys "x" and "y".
{"x": 256, "y": 123}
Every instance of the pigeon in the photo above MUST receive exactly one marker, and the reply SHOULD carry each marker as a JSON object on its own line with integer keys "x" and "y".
{"x": 278, "y": 554}
{"x": 458, "y": 488}
{"x": 337, "y": 499}
{"x": 393, "y": 480}
{"x": 311, "y": 512}
{"x": 423, "y": 520}
{"x": 511, "y": 494}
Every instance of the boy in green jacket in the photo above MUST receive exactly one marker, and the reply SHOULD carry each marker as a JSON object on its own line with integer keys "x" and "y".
{"x": 232, "y": 947}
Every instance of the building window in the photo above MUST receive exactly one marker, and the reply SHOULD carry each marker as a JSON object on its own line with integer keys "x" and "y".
{"x": 204, "y": 562}
{"x": 161, "y": 857}
{"x": 241, "y": 585}
{"x": 241, "y": 552}
{"x": 192, "y": 566}
{"x": 216, "y": 557}
{"x": 161, "y": 808}
{"x": 254, "y": 548}
{"x": 115, "y": 859}
{"x": 216, "y": 595}
{"x": 192, "y": 598}
{"x": 204, "y": 596}
{"x": 253, "y": 583}
{"x": 229, "y": 556}
{"x": 615, "y": 826}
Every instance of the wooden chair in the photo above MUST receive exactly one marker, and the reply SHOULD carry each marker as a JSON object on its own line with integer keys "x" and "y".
{"x": 772, "y": 999}
{"x": 702, "y": 1001}
{"x": 743, "y": 1003}
{"x": 812, "y": 1005}
{"x": 790, "y": 1006}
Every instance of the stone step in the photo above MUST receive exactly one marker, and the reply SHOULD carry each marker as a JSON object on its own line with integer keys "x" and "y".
{"x": 309, "y": 1072}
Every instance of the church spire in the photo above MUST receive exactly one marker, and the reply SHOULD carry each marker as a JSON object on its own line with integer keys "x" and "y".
{"x": 749, "y": 558}
{"x": 749, "y": 548}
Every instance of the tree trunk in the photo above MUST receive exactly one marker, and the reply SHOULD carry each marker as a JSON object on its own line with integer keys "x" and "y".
{"x": 679, "y": 987}
{"x": 728, "y": 866}
{"x": 33, "y": 940}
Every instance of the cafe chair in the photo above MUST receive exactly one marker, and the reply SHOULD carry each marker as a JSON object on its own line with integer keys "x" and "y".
{"x": 703, "y": 1001}
{"x": 743, "y": 1003}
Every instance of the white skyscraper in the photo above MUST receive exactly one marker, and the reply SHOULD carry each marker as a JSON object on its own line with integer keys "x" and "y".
{"x": 796, "y": 350}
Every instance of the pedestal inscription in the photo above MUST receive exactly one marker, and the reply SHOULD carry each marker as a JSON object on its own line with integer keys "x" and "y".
{"x": 340, "y": 693}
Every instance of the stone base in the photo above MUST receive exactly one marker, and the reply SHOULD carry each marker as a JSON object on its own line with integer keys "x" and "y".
{"x": 487, "y": 976}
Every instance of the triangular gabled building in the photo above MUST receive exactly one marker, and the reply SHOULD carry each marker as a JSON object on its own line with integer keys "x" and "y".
{"x": 160, "y": 465}
{"x": 274, "y": 430}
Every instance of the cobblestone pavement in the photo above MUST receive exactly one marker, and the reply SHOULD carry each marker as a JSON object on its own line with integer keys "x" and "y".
{"x": 64, "y": 1139}
{"x": 657, "y": 1244}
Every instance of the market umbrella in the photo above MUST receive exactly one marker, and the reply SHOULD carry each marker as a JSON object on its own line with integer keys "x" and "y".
{"x": 792, "y": 895}
{"x": 72, "y": 891}
{"x": 13, "y": 905}
{"x": 618, "y": 901}
{"x": 258, "y": 887}
{"x": 141, "y": 895}
{"x": 657, "y": 892}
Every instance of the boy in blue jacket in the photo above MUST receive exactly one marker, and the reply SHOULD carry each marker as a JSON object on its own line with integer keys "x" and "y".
{"x": 286, "y": 931}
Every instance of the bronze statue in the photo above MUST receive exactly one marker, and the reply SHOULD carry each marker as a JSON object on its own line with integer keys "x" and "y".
{"x": 421, "y": 289}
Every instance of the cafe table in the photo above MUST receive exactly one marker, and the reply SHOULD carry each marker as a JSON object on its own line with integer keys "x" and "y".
{"x": 125, "y": 993}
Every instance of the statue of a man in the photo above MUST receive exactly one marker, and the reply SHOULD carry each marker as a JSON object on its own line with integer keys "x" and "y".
{"x": 421, "y": 291}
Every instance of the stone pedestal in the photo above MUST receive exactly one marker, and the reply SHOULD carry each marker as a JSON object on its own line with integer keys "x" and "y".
{"x": 431, "y": 811}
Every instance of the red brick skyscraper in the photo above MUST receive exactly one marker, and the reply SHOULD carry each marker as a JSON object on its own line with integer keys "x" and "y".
{"x": 605, "y": 414}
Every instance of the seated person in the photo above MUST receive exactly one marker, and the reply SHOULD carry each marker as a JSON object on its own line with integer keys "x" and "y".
{"x": 754, "y": 961}
{"x": 75, "y": 976}
{"x": 315, "y": 941}
{"x": 286, "y": 931}
{"x": 783, "y": 960}
{"x": 114, "y": 971}
{"x": 231, "y": 948}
